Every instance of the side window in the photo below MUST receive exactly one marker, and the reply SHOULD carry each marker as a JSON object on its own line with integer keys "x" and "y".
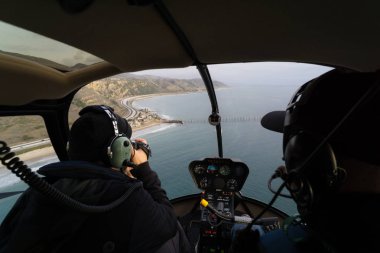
{"x": 26, "y": 135}
{"x": 28, "y": 138}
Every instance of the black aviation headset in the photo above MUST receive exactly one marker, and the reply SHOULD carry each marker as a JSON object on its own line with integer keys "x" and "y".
{"x": 312, "y": 169}
{"x": 313, "y": 172}
{"x": 119, "y": 149}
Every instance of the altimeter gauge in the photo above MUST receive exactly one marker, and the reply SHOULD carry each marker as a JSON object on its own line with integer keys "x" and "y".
{"x": 203, "y": 183}
{"x": 199, "y": 169}
{"x": 225, "y": 170}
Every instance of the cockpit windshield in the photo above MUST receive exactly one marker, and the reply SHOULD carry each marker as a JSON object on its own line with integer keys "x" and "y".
{"x": 170, "y": 108}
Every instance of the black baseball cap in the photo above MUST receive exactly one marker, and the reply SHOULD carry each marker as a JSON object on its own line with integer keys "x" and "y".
{"x": 92, "y": 133}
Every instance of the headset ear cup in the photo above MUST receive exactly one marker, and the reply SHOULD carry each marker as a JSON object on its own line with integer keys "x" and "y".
{"x": 318, "y": 176}
{"x": 119, "y": 151}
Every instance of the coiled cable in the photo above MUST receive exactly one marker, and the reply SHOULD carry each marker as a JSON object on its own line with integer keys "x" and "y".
{"x": 21, "y": 170}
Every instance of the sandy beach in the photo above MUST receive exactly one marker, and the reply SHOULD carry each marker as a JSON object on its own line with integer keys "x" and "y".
{"x": 141, "y": 97}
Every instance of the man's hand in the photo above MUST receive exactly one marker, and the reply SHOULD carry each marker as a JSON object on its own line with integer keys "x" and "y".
{"x": 139, "y": 156}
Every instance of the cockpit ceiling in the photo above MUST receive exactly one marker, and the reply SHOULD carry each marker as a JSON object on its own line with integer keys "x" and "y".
{"x": 131, "y": 38}
{"x": 135, "y": 38}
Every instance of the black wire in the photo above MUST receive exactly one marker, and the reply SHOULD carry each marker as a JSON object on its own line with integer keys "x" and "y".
{"x": 275, "y": 191}
{"x": 267, "y": 207}
{"x": 16, "y": 166}
{"x": 242, "y": 202}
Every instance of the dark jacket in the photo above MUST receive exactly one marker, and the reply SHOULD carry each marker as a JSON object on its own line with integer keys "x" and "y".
{"x": 345, "y": 222}
{"x": 142, "y": 223}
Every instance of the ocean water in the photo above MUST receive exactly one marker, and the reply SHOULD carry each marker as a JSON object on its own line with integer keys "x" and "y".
{"x": 241, "y": 108}
{"x": 174, "y": 146}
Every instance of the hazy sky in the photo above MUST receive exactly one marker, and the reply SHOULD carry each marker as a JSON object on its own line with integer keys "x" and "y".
{"x": 268, "y": 73}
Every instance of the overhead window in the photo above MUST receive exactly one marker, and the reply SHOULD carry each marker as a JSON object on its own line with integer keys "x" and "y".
{"x": 28, "y": 45}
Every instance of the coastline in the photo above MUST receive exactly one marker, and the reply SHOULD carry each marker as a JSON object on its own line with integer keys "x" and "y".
{"x": 39, "y": 153}
{"x": 145, "y": 128}
{"x": 147, "y": 96}
{"x": 128, "y": 102}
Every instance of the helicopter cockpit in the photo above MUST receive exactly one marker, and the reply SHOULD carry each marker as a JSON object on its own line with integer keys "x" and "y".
{"x": 56, "y": 57}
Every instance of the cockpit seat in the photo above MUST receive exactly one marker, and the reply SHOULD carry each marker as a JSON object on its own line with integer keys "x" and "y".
{"x": 177, "y": 244}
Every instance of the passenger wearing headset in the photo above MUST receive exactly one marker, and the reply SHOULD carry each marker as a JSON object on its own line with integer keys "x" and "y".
{"x": 102, "y": 170}
{"x": 331, "y": 143}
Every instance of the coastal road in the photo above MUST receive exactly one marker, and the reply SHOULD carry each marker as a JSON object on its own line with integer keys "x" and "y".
{"x": 31, "y": 144}
{"x": 131, "y": 112}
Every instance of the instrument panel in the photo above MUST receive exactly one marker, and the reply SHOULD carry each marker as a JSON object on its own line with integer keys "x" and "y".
{"x": 219, "y": 174}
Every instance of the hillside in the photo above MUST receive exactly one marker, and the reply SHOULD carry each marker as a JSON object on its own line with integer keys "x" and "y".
{"x": 109, "y": 91}
{"x": 127, "y": 85}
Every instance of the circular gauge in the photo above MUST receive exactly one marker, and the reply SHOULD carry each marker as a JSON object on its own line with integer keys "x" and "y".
{"x": 199, "y": 169}
{"x": 212, "y": 219}
{"x": 225, "y": 170}
{"x": 203, "y": 183}
{"x": 232, "y": 184}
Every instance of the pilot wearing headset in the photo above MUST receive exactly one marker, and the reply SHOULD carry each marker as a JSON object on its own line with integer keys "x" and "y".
{"x": 331, "y": 144}
{"x": 102, "y": 170}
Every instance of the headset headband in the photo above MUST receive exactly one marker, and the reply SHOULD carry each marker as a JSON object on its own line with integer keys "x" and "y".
{"x": 112, "y": 116}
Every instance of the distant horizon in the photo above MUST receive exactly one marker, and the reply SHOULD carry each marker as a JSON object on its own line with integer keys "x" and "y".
{"x": 258, "y": 73}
